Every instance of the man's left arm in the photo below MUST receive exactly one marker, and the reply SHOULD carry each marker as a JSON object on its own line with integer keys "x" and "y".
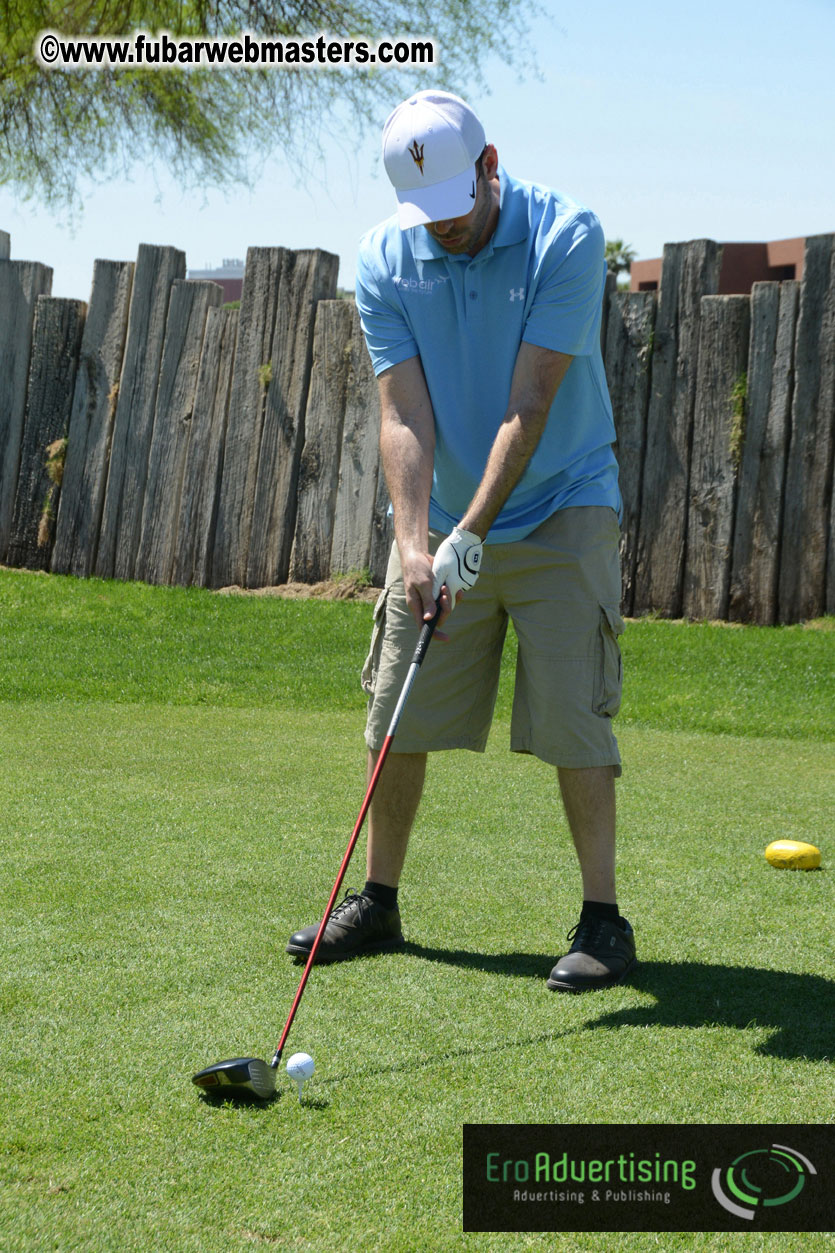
{"x": 537, "y": 376}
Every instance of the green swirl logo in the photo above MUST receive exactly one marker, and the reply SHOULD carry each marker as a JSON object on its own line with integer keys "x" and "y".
{"x": 760, "y": 1179}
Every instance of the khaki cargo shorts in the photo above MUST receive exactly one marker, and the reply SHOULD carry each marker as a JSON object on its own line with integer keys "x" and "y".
{"x": 561, "y": 587}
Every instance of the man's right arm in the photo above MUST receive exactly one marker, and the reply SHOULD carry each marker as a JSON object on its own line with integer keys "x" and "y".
{"x": 407, "y": 448}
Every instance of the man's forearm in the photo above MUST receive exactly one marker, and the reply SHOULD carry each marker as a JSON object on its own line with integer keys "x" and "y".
{"x": 407, "y": 451}
{"x": 407, "y": 458}
{"x": 512, "y": 449}
{"x": 536, "y": 378}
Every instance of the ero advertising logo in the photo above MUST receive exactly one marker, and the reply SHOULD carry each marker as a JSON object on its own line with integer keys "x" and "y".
{"x": 766, "y": 1177}
{"x": 654, "y": 1177}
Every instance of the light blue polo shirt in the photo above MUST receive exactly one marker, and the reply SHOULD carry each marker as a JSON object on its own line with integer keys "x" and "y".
{"x": 540, "y": 279}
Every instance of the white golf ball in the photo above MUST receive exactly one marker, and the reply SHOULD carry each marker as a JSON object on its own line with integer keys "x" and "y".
{"x": 300, "y": 1066}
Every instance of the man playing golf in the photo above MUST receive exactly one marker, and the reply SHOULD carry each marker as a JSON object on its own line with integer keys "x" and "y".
{"x": 481, "y": 303}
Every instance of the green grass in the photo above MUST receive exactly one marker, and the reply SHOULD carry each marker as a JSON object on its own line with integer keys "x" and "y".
{"x": 180, "y": 774}
{"x": 79, "y": 640}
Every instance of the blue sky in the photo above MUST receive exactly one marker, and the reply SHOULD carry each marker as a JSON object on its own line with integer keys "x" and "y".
{"x": 671, "y": 121}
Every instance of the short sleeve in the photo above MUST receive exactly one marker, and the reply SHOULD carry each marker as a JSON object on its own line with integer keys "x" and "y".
{"x": 565, "y": 312}
{"x": 387, "y": 333}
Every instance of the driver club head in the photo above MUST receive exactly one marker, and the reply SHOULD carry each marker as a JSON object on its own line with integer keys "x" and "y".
{"x": 239, "y": 1078}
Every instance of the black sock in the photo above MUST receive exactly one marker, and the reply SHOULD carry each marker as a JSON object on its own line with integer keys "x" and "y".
{"x": 600, "y": 909}
{"x": 379, "y": 892}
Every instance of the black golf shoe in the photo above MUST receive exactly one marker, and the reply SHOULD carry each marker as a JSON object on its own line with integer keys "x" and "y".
{"x": 358, "y": 925}
{"x": 602, "y": 953}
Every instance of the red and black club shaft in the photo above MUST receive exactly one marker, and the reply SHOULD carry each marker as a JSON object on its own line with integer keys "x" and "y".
{"x": 426, "y": 634}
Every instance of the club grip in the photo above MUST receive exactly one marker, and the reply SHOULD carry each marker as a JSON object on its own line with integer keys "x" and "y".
{"x": 426, "y": 633}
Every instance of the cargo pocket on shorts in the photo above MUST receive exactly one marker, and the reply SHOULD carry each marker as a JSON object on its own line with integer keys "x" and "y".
{"x": 371, "y": 666}
{"x": 609, "y": 667}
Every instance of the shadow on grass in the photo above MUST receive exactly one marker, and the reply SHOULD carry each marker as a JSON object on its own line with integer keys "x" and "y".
{"x": 799, "y": 1009}
{"x": 238, "y": 1100}
{"x": 248, "y": 1100}
{"x": 523, "y": 965}
{"x": 425, "y": 1063}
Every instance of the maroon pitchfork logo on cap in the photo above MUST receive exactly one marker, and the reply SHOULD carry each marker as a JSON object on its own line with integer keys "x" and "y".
{"x": 416, "y": 153}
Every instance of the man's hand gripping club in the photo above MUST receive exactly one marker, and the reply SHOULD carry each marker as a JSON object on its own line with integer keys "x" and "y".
{"x": 457, "y": 563}
{"x": 455, "y": 569}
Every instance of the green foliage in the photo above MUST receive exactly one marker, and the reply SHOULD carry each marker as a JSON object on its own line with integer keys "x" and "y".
{"x": 739, "y": 400}
{"x": 56, "y": 455}
{"x": 210, "y": 126}
{"x": 619, "y": 256}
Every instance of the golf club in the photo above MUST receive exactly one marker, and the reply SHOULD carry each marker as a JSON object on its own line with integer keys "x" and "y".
{"x": 245, "y": 1077}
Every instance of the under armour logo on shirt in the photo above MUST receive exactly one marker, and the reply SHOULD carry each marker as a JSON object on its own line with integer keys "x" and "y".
{"x": 517, "y": 293}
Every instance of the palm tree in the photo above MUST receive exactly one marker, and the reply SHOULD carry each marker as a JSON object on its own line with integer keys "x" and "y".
{"x": 619, "y": 256}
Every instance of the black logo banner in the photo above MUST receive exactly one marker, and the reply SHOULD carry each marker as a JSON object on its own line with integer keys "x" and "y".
{"x": 649, "y": 1177}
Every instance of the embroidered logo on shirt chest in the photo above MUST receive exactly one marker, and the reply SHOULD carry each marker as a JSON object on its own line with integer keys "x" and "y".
{"x": 517, "y": 293}
{"x": 420, "y": 287}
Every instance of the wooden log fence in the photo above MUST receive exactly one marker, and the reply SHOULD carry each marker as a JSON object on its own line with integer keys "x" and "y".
{"x": 56, "y": 345}
{"x": 318, "y": 480}
{"x": 213, "y": 446}
{"x": 265, "y": 435}
{"x": 630, "y": 335}
{"x": 718, "y": 433}
{"x": 809, "y": 466}
{"x": 91, "y": 420}
{"x": 187, "y": 314}
{"x": 762, "y": 474}
{"x": 204, "y": 455}
{"x": 133, "y": 423}
{"x": 356, "y": 497}
{"x": 688, "y": 273}
{"x": 21, "y": 282}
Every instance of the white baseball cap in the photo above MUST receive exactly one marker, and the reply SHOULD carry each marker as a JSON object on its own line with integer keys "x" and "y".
{"x": 431, "y": 143}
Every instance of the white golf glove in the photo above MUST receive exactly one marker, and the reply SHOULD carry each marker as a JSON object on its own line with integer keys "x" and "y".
{"x": 457, "y": 563}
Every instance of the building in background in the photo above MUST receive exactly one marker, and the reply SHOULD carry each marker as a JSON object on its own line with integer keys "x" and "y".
{"x": 742, "y": 266}
{"x": 230, "y": 276}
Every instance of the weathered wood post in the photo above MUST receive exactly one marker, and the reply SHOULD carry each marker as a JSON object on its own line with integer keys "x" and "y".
{"x": 382, "y": 532}
{"x": 610, "y": 290}
{"x": 689, "y": 272}
{"x": 718, "y": 434}
{"x": 756, "y": 549}
{"x": 359, "y": 461}
{"x": 309, "y": 278}
{"x": 802, "y": 582}
{"x": 204, "y": 456}
{"x": 91, "y": 420}
{"x": 265, "y": 432}
{"x": 318, "y": 480}
{"x": 185, "y": 329}
{"x": 56, "y": 346}
{"x": 156, "y": 270}
{"x": 628, "y": 357}
{"x": 830, "y": 561}
{"x": 21, "y": 282}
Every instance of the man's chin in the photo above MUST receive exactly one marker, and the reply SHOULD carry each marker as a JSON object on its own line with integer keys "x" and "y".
{"x": 458, "y": 245}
